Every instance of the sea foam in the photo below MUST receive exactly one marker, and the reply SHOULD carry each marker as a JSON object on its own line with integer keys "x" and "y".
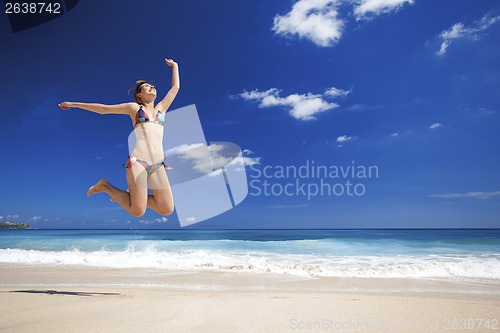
{"x": 455, "y": 267}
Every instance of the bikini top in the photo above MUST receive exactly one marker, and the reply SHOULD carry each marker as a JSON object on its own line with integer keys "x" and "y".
{"x": 142, "y": 117}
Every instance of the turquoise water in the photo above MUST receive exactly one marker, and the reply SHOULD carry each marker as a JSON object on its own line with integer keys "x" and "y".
{"x": 445, "y": 253}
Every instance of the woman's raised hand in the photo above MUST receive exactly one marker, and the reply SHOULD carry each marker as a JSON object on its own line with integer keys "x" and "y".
{"x": 66, "y": 105}
{"x": 170, "y": 62}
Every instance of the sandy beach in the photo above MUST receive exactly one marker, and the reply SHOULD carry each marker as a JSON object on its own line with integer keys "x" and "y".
{"x": 76, "y": 299}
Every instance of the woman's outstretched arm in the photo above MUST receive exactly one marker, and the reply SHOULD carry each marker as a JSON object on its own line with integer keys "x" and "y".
{"x": 176, "y": 85}
{"x": 124, "y": 108}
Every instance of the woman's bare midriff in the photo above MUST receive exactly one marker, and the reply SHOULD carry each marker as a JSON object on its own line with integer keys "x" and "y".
{"x": 149, "y": 142}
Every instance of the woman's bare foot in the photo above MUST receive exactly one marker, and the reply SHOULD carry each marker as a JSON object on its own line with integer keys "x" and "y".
{"x": 99, "y": 187}
{"x": 114, "y": 200}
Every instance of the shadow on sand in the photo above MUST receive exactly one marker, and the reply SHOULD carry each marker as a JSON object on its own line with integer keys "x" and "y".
{"x": 70, "y": 293}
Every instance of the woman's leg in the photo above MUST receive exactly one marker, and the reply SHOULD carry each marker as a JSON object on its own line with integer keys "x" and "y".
{"x": 162, "y": 200}
{"x": 135, "y": 200}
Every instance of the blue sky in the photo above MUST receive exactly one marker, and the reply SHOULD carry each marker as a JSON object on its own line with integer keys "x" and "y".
{"x": 410, "y": 87}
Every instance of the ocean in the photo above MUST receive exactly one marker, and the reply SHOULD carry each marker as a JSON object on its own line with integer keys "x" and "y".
{"x": 451, "y": 254}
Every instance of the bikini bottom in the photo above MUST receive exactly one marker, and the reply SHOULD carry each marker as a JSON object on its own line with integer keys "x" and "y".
{"x": 150, "y": 168}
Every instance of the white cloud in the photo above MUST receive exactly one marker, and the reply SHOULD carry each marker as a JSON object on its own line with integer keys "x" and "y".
{"x": 394, "y": 134}
{"x": 248, "y": 159}
{"x": 376, "y": 7}
{"x": 219, "y": 161}
{"x": 198, "y": 154}
{"x": 183, "y": 147}
{"x": 163, "y": 219}
{"x": 477, "y": 195}
{"x": 148, "y": 221}
{"x": 459, "y": 31}
{"x": 36, "y": 218}
{"x": 218, "y": 155}
{"x": 435, "y": 125}
{"x": 316, "y": 20}
{"x": 335, "y": 92}
{"x": 322, "y": 22}
{"x": 204, "y": 159}
{"x": 344, "y": 138}
{"x": 300, "y": 106}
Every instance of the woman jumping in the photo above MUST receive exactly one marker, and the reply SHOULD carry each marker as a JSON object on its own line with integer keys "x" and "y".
{"x": 145, "y": 166}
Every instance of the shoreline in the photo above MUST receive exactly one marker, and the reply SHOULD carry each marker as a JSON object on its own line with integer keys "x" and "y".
{"x": 79, "y": 299}
{"x": 207, "y": 280}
